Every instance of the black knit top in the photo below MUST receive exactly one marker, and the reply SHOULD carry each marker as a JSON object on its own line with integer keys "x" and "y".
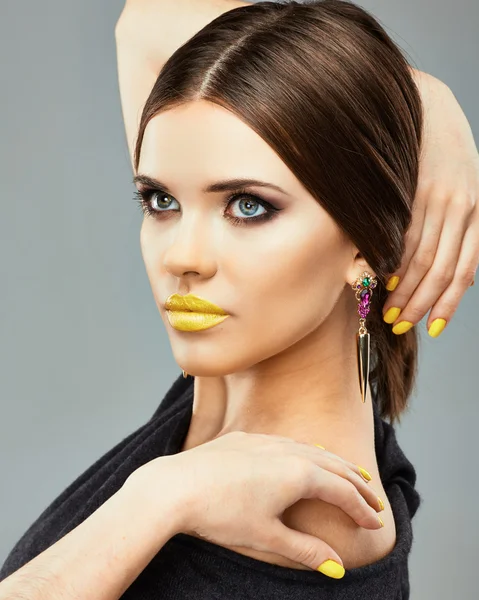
{"x": 195, "y": 569}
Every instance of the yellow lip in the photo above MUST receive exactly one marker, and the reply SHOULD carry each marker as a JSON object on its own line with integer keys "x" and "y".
{"x": 193, "y": 321}
{"x": 191, "y": 313}
{"x": 192, "y": 303}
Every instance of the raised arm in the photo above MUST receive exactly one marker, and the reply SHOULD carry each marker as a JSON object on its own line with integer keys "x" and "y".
{"x": 147, "y": 33}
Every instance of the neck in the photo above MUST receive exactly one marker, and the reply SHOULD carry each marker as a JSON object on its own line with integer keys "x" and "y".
{"x": 309, "y": 393}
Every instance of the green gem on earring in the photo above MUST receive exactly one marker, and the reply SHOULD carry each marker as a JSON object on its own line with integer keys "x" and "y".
{"x": 366, "y": 281}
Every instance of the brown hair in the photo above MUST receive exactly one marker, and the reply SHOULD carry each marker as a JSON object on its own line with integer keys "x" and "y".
{"x": 325, "y": 86}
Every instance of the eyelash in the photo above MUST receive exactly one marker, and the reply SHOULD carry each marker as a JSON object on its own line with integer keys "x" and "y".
{"x": 144, "y": 196}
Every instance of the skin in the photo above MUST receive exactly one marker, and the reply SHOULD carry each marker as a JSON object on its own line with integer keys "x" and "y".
{"x": 284, "y": 361}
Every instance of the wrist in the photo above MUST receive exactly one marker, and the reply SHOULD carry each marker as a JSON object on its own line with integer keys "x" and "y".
{"x": 158, "y": 495}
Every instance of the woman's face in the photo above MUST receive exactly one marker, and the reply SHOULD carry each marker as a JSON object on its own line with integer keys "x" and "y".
{"x": 273, "y": 260}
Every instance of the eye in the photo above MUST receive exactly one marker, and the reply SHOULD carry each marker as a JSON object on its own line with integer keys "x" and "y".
{"x": 154, "y": 203}
{"x": 158, "y": 199}
{"x": 248, "y": 204}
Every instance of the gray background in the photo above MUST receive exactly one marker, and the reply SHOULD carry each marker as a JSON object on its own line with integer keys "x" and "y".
{"x": 84, "y": 357}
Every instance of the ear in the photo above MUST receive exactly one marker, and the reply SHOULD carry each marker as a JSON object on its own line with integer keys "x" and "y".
{"x": 357, "y": 267}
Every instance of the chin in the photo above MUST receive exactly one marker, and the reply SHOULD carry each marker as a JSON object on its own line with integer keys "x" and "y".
{"x": 203, "y": 371}
{"x": 216, "y": 363}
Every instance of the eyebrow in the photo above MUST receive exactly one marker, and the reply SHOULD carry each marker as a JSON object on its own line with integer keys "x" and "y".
{"x": 220, "y": 186}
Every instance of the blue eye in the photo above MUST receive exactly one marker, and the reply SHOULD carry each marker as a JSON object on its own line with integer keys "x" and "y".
{"x": 152, "y": 203}
{"x": 248, "y": 203}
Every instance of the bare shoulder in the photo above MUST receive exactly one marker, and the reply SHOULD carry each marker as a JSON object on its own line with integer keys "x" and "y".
{"x": 355, "y": 545}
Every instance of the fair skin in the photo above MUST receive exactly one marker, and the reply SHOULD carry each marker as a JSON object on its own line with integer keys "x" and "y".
{"x": 449, "y": 178}
{"x": 442, "y": 246}
{"x": 124, "y": 533}
{"x": 264, "y": 369}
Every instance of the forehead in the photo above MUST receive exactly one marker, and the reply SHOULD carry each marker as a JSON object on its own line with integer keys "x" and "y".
{"x": 208, "y": 141}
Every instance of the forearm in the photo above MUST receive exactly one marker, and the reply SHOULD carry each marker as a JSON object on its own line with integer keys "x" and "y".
{"x": 147, "y": 33}
{"x": 425, "y": 80}
{"x": 101, "y": 557}
{"x": 158, "y": 28}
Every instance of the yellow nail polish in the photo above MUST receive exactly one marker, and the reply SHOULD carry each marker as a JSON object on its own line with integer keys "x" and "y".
{"x": 402, "y": 327}
{"x": 381, "y": 521}
{"x": 392, "y": 283}
{"x": 322, "y": 447}
{"x": 391, "y": 314}
{"x": 437, "y": 327}
{"x": 332, "y": 569}
{"x": 381, "y": 503}
{"x": 365, "y": 474}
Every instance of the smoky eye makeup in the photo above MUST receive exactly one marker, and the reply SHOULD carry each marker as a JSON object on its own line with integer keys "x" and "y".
{"x": 152, "y": 204}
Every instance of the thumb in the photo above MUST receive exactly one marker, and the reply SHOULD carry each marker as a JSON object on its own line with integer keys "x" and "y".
{"x": 306, "y": 549}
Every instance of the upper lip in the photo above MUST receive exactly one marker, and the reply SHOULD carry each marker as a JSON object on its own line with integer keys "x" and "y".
{"x": 192, "y": 303}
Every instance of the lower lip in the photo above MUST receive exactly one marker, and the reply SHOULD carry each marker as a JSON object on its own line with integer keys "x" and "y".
{"x": 193, "y": 321}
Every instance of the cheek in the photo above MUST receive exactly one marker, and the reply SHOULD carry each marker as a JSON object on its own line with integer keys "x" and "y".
{"x": 291, "y": 285}
{"x": 150, "y": 249}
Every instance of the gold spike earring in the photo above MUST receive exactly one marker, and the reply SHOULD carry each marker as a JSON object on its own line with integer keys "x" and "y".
{"x": 363, "y": 288}
{"x": 185, "y": 374}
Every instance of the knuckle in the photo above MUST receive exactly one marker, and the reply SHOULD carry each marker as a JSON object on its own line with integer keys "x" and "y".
{"x": 414, "y": 314}
{"x": 303, "y": 469}
{"x": 449, "y": 305}
{"x": 343, "y": 471}
{"x": 269, "y": 540}
{"x": 424, "y": 185}
{"x": 466, "y": 276}
{"x": 422, "y": 260}
{"x": 458, "y": 203}
{"x": 442, "y": 275}
{"x": 306, "y": 554}
{"x": 467, "y": 201}
{"x": 354, "y": 500}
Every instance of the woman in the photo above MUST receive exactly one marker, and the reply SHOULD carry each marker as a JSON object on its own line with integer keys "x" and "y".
{"x": 272, "y": 318}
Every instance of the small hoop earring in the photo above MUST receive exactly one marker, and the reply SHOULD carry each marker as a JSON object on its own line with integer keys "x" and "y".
{"x": 185, "y": 374}
{"x": 363, "y": 289}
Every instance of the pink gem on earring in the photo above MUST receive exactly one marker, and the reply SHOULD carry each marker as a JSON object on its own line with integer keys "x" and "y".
{"x": 362, "y": 288}
{"x": 367, "y": 284}
{"x": 363, "y": 306}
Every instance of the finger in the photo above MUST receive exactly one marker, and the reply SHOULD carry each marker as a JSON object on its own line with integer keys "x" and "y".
{"x": 443, "y": 266}
{"x": 323, "y": 485}
{"x": 467, "y": 264}
{"x": 305, "y": 449}
{"x": 411, "y": 238}
{"x": 305, "y": 549}
{"x": 335, "y": 464}
{"x": 348, "y": 470}
{"x": 419, "y": 263}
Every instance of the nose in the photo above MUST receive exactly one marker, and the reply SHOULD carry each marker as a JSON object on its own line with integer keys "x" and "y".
{"x": 191, "y": 248}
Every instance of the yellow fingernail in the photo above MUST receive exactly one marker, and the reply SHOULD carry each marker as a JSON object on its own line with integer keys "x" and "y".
{"x": 365, "y": 474}
{"x": 381, "y": 521}
{"x": 392, "y": 314}
{"x": 402, "y": 327}
{"x": 437, "y": 327}
{"x": 331, "y": 568}
{"x": 381, "y": 503}
{"x": 392, "y": 283}
{"x": 322, "y": 447}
